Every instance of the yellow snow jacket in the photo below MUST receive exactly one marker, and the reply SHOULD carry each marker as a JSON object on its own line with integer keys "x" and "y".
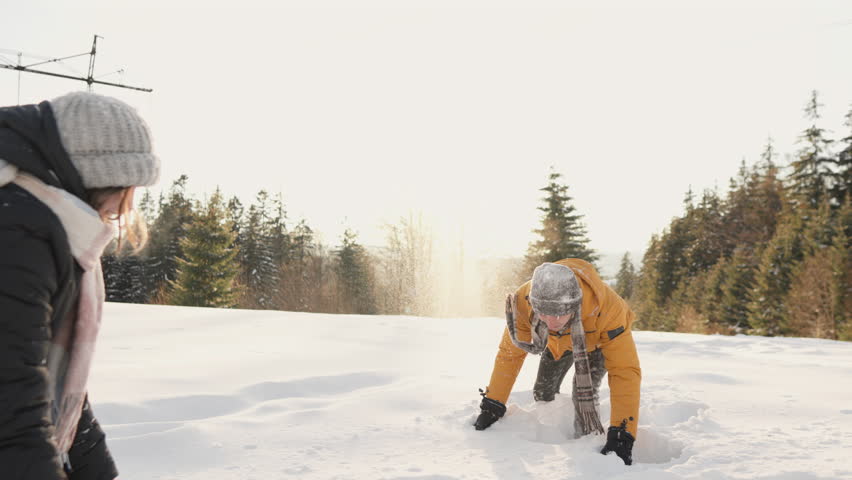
{"x": 608, "y": 324}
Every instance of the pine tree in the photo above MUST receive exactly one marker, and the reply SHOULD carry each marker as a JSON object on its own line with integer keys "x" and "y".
{"x": 670, "y": 264}
{"x": 166, "y": 234}
{"x": 206, "y": 274}
{"x": 251, "y": 253}
{"x": 712, "y": 297}
{"x": 705, "y": 239}
{"x": 753, "y": 204}
{"x": 683, "y": 311}
{"x": 260, "y": 272}
{"x": 841, "y": 262}
{"x": 115, "y": 279}
{"x": 768, "y": 199}
{"x": 354, "y": 275}
{"x": 689, "y": 200}
{"x": 767, "y": 314}
{"x": 843, "y": 187}
{"x": 625, "y": 279}
{"x": 124, "y": 280}
{"x": 687, "y": 281}
{"x": 562, "y": 233}
{"x": 279, "y": 246}
{"x": 812, "y": 175}
{"x": 296, "y": 274}
{"x": 647, "y": 301}
{"x": 812, "y": 301}
{"x": 234, "y": 215}
{"x": 736, "y": 281}
{"x": 767, "y": 259}
{"x": 818, "y": 289}
{"x": 280, "y": 238}
{"x": 147, "y": 208}
{"x": 688, "y": 247}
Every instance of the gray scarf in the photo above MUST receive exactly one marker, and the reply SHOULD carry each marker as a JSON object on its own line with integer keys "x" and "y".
{"x": 589, "y": 420}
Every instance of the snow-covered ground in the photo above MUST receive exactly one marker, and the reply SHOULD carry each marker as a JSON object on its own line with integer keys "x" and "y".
{"x": 188, "y": 393}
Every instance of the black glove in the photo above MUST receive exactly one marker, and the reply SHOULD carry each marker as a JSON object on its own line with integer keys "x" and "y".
{"x": 620, "y": 441}
{"x": 492, "y": 410}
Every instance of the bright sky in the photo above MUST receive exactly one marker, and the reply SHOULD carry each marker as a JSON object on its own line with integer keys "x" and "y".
{"x": 455, "y": 109}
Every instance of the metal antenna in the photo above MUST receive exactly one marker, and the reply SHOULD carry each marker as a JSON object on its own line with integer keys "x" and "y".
{"x": 89, "y": 79}
{"x": 92, "y": 61}
{"x": 19, "y": 78}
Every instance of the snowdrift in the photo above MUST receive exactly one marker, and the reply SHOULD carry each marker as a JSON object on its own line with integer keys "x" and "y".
{"x": 189, "y": 393}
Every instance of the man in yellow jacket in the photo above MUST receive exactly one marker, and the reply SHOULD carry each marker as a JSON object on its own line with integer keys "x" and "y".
{"x": 568, "y": 315}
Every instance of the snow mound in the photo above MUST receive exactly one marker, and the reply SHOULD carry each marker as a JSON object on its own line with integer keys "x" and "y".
{"x": 208, "y": 394}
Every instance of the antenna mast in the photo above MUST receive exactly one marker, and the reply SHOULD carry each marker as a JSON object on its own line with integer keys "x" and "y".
{"x": 89, "y": 79}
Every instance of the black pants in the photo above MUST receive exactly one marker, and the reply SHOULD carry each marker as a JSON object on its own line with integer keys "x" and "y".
{"x": 552, "y": 372}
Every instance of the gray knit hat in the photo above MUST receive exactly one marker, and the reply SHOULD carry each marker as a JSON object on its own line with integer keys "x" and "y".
{"x": 106, "y": 139}
{"x": 555, "y": 290}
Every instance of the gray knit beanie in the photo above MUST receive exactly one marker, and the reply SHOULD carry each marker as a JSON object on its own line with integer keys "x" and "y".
{"x": 555, "y": 290}
{"x": 106, "y": 139}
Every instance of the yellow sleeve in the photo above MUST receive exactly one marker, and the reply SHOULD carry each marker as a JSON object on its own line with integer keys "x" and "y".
{"x": 622, "y": 365}
{"x": 507, "y": 365}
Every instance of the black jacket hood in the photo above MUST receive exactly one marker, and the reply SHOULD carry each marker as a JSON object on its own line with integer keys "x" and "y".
{"x": 29, "y": 139}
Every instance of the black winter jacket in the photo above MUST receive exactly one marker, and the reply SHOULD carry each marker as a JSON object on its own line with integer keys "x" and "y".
{"x": 38, "y": 286}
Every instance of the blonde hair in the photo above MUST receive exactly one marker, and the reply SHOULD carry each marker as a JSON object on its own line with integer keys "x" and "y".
{"x": 132, "y": 228}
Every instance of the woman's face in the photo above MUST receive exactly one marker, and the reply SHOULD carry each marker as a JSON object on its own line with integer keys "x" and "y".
{"x": 111, "y": 206}
{"x": 556, "y": 323}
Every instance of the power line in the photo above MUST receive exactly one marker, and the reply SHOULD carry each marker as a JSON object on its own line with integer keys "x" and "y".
{"x": 4, "y": 59}
{"x": 56, "y": 59}
{"x": 16, "y": 52}
{"x": 120, "y": 71}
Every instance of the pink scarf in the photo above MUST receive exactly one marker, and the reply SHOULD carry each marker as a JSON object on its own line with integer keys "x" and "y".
{"x": 73, "y": 343}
